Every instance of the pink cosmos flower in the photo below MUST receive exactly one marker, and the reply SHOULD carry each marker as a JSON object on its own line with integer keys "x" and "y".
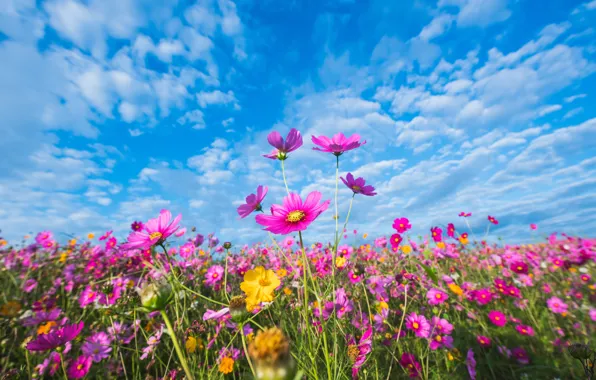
{"x": 79, "y": 368}
{"x": 436, "y": 297}
{"x": 214, "y": 275}
{"x": 282, "y": 148}
{"x": 493, "y": 220}
{"x": 483, "y": 341}
{"x": 396, "y": 240}
{"x": 437, "y": 234}
{"x": 525, "y": 330}
{"x": 441, "y": 326}
{"x": 97, "y": 346}
{"x": 187, "y": 250}
{"x": 451, "y": 230}
{"x": 156, "y": 231}
{"x": 497, "y": 318}
{"x": 55, "y": 338}
{"x": 521, "y": 355}
{"x": 358, "y": 352}
{"x": 180, "y": 232}
{"x": 439, "y": 341}
{"x": 409, "y": 362}
{"x": 519, "y": 267}
{"x": 253, "y": 202}
{"x": 471, "y": 364}
{"x": 137, "y": 226}
{"x": 401, "y": 225}
{"x": 293, "y": 215}
{"x": 556, "y": 305}
{"x": 358, "y": 185}
{"x": 43, "y": 236}
{"x": 593, "y": 314}
{"x": 418, "y": 324}
{"x": 465, "y": 214}
{"x": 482, "y": 296}
{"x": 51, "y": 364}
{"x": 338, "y": 144}
{"x": 533, "y": 226}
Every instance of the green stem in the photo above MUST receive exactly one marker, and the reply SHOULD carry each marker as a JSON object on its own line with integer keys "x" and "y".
{"x": 226, "y": 276}
{"x": 177, "y": 345}
{"x": 252, "y": 369}
{"x": 283, "y": 173}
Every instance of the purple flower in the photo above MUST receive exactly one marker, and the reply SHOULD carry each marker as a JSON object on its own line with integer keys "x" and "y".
{"x": 471, "y": 364}
{"x": 42, "y": 317}
{"x": 214, "y": 275}
{"x": 441, "y": 326}
{"x": 338, "y": 144}
{"x": 439, "y": 341}
{"x": 357, "y": 352}
{"x": 97, "y": 346}
{"x": 198, "y": 240}
{"x": 342, "y": 304}
{"x": 79, "y": 367}
{"x": 436, "y": 297}
{"x": 187, "y": 250}
{"x": 137, "y": 226}
{"x": 56, "y": 338}
{"x": 253, "y": 202}
{"x": 556, "y": 305}
{"x": 521, "y": 355}
{"x": 29, "y": 285}
{"x": 418, "y": 324}
{"x": 210, "y": 314}
{"x": 358, "y": 185}
{"x": 282, "y": 148}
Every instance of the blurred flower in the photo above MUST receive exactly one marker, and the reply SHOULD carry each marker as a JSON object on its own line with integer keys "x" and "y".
{"x": 270, "y": 352}
{"x": 401, "y": 225}
{"x": 409, "y": 362}
{"x": 471, "y": 364}
{"x": 437, "y": 233}
{"x": 497, "y": 318}
{"x": 436, "y": 297}
{"x": 97, "y": 346}
{"x": 556, "y": 305}
{"x": 56, "y": 338}
{"x": 79, "y": 367}
{"x": 493, "y": 220}
{"x": 357, "y": 352}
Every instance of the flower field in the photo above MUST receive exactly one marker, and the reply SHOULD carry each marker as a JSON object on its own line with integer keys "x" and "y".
{"x": 169, "y": 303}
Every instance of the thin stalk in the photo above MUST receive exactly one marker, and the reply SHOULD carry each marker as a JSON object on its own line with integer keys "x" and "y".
{"x": 252, "y": 369}
{"x": 283, "y": 173}
{"x": 177, "y": 345}
{"x": 226, "y": 276}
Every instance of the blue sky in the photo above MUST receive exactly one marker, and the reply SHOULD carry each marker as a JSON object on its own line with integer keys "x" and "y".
{"x": 112, "y": 110}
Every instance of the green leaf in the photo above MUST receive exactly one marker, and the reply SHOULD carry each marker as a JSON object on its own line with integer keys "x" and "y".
{"x": 430, "y": 273}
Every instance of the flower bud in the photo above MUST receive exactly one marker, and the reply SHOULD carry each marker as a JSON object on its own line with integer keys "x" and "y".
{"x": 238, "y": 309}
{"x": 227, "y": 245}
{"x": 156, "y": 295}
{"x": 270, "y": 351}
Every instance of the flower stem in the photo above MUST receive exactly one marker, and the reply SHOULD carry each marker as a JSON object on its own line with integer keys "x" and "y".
{"x": 177, "y": 345}
{"x": 283, "y": 173}
{"x": 252, "y": 369}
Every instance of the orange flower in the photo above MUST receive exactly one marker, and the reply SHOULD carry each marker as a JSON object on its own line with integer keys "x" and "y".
{"x": 226, "y": 365}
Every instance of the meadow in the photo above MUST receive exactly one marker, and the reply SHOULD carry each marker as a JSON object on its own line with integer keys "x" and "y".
{"x": 170, "y": 303}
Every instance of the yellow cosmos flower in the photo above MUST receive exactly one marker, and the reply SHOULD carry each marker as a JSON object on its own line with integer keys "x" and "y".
{"x": 10, "y": 309}
{"x": 3, "y": 242}
{"x": 441, "y": 245}
{"x": 282, "y": 273}
{"x": 90, "y": 236}
{"x": 45, "y": 328}
{"x": 340, "y": 261}
{"x": 73, "y": 242}
{"x": 63, "y": 257}
{"x": 226, "y": 365}
{"x": 191, "y": 344}
{"x": 455, "y": 289}
{"x": 364, "y": 236}
{"x": 258, "y": 286}
{"x": 463, "y": 240}
{"x": 406, "y": 249}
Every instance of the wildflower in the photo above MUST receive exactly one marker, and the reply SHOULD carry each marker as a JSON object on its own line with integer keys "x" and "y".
{"x": 29, "y": 285}
{"x": 155, "y": 295}
{"x": 191, "y": 344}
{"x": 340, "y": 261}
{"x": 46, "y": 327}
{"x": 525, "y": 330}
{"x": 455, "y": 289}
{"x": 258, "y": 286}
{"x": 436, "y": 297}
{"x": 10, "y": 309}
{"x": 497, "y": 318}
{"x": 155, "y": 232}
{"x": 238, "y": 308}
{"x": 358, "y": 185}
{"x": 401, "y": 225}
{"x": 439, "y": 341}
{"x": 482, "y": 296}
{"x": 465, "y": 214}
{"x": 214, "y": 275}
{"x": 270, "y": 351}
{"x": 593, "y": 314}
{"x": 357, "y": 351}
{"x": 137, "y": 226}
{"x": 79, "y": 367}
{"x": 471, "y": 364}
{"x": 556, "y": 305}
{"x": 90, "y": 236}
{"x": 436, "y": 233}
{"x": 418, "y": 324}
{"x": 338, "y": 144}
{"x": 493, "y": 220}
{"x": 293, "y": 215}
{"x": 253, "y": 202}
{"x": 396, "y": 240}
{"x": 521, "y": 355}
{"x": 282, "y": 148}
{"x": 409, "y": 362}
{"x": 463, "y": 238}
{"x": 533, "y": 226}
{"x": 406, "y": 249}
{"x": 97, "y": 347}
{"x": 451, "y": 230}
{"x": 226, "y": 365}
{"x": 519, "y": 267}
{"x": 483, "y": 341}
{"x": 342, "y": 304}
{"x": 441, "y": 326}
{"x": 56, "y": 338}
{"x": 51, "y": 364}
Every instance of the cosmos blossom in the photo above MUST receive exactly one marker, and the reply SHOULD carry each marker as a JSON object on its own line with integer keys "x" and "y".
{"x": 357, "y": 351}
{"x": 155, "y": 231}
{"x": 97, "y": 346}
{"x": 493, "y": 220}
{"x": 418, "y": 324}
{"x": 338, "y": 144}
{"x": 292, "y": 142}
{"x": 401, "y": 225}
{"x": 79, "y": 368}
{"x": 293, "y": 215}
{"x": 465, "y": 214}
{"x": 358, "y": 185}
{"x": 437, "y": 234}
{"x": 409, "y": 362}
{"x": 253, "y": 202}
{"x": 497, "y": 318}
{"x": 436, "y": 297}
{"x": 56, "y": 338}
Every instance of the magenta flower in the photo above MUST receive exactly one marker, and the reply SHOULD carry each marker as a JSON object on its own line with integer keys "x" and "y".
{"x": 521, "y": 355}
{"x": 214, "y": 275}
{"x": 439, "y": 341}
{"x": 437, "y": 234}
{"x": 29, "y": 285}
{"x": 293, "y": 215}
{"x": 396, "y": 240}
{"x": 338, "y": 144}
{"x": 497, "y": 318}
{"x": 525, "y": 330}
{"x": 87, "y": 297}
{"x": 593, "y": 314}
{"x": 253, "y": 202}
{"x": 187, "y": 250}
{"x": 51, "y": 364}
{"x": 451, "y": 230}
{"x": 56, "y": 338}
{"x": 483, "y": 341}
{"x": 358, "y": 352}
{"x": 465, "y": 214}
{"x": 409, "y": 362}
{"x": 137, "y": 226}
{"x": 43, "y": 236}
{"x": 519, "y": 267}
{"x": 533, "y": 226}
{"x": 436, "y": 297}
{"x": 471, "y": 364}
{"x": 441, "y": 326}
{"x": 556, "y": 305}
{"x": 358, "y": 185}
{"x": 493, "y": 220}
{"x": 401, "y": 225}
{"x": 97, "y": 346}
{"x": 342, "y": 304}
{"x": 156, "y": 231}
{"x": 482, "y": 296}
{"x": 282, "y": 148}
{"x": 79, "y": 368}
{"x": 418, "y": 324}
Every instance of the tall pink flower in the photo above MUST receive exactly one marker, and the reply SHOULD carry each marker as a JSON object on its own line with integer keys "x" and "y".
{"x": 293, "y": 215}
{"x": 282, "y": 148}
{"x": 253, "y": 202}
{"x": 358, "y": 185}
{"x": 79, "y": 368}
{"x": 418, "y": 324}
{"x": 155, "y": 231}
{"x": 401, "y": 225}
{"x": 497, "y": 318}
{"x": 437, "y": 234}
{"x": 338, "y": 144}
{"x": 436, "y": 296}
{"x": 358, "y": 351}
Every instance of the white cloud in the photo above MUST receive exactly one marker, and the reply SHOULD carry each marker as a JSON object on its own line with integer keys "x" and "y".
{"x": 480, "y": 13}
{"x": 193, "y": 118}
{"x": 571, "y": 99}
{"x": 437, "y": 27}
{"x": 196, "y": 203}
{"x": 206, "y": 98}
{"x": 213, "y": 158}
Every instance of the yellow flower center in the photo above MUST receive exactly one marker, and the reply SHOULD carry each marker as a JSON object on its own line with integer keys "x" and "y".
{"x": 356, "y": 188}
{"x": 264, "y": 282}
{"x": 295, "y": 216}
{"x": 155, "y": 235}
{"x": 80, "y": 367}
{"x": 353, "y": 352}
{"x": 438, "y": 338}
{"x": 415, "y": 325}
{"x": 438, "y": 296}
